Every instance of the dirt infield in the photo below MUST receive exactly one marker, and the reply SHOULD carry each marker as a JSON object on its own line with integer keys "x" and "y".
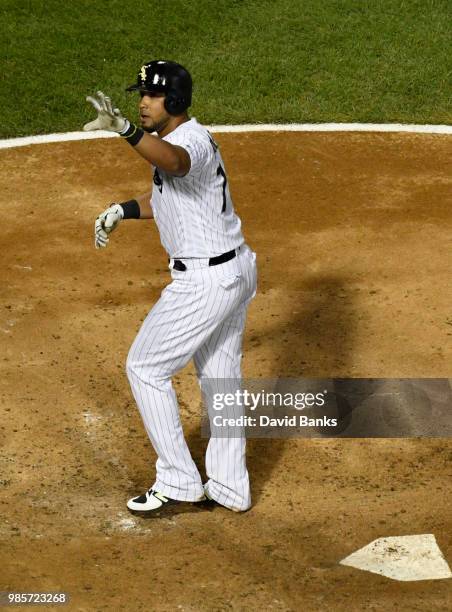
{"x": 351, "y": 236}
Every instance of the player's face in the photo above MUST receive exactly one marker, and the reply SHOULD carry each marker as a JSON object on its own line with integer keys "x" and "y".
{"x": 153, "y": 115}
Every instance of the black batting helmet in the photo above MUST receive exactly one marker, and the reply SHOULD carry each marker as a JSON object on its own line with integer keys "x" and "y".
{"x": 169, "y": 78}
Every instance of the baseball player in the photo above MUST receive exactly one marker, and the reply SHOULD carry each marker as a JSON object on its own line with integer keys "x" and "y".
{"x": 201, "y": 313}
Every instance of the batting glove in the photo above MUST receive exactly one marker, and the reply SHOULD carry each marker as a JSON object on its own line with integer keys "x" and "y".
{"x": 108, "y": 118}
{"x": 106, "y": 223}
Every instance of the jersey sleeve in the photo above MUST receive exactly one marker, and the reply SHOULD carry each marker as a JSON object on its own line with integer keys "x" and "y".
{"x": 196, "y": 146}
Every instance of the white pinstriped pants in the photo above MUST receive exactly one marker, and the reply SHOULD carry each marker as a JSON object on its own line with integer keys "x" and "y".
{"x": 201, "y": 315}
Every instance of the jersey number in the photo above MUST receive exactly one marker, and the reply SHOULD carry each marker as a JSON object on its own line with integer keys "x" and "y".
{"x": 221, "y": 172}
{"x": 158, "y": 180}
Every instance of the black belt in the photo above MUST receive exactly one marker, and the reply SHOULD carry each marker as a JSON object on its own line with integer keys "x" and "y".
{"x": 213, "y": 261}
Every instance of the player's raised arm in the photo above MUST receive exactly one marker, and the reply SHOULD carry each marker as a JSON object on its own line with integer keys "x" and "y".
{"x": 165, "y": 90}
{"x": 170, "y": 158}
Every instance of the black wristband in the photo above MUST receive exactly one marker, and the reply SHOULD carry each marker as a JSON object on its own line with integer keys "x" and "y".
{"x": 133, "y": 135}
{"x": 131, "y": 209}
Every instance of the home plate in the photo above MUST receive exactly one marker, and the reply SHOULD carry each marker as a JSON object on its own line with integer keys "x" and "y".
{"x": 412, "y": 557}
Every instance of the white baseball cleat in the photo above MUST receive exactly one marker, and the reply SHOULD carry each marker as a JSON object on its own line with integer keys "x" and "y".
{"x": 152, "y": 502}
{"x": 149, "y": 502}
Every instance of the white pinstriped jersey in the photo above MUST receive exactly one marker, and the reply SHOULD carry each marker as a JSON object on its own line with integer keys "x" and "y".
{"x": 194, "y": 213}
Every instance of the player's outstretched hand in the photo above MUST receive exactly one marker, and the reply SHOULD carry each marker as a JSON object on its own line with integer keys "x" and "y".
{"x": 106, "y": 223}
{"x": 108, "y": 118}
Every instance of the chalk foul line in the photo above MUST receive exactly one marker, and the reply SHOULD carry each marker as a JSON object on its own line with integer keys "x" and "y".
{"x": 271, "y": 127}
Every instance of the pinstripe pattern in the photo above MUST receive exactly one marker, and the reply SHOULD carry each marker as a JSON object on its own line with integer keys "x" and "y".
{"x": 188, "y": 210}
{"x": 201, "y": 315}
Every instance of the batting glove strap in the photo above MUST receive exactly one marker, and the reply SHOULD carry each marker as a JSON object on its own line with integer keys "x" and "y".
{"x": 132, "y": 133}
{"x": 126, "y": 129}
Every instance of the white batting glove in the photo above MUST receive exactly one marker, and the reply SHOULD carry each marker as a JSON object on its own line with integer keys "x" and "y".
{"x": 106, "y": 223}
{"x": 108, "y": 118}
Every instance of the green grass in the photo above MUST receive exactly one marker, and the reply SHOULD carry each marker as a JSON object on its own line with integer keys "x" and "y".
{"x": 252, "y": 61}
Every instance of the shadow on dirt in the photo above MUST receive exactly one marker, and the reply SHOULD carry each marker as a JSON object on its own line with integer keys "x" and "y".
{"x": 316, "y": 342}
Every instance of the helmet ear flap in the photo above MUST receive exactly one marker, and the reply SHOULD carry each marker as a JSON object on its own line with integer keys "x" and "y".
{"x": 174, "y": 105}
